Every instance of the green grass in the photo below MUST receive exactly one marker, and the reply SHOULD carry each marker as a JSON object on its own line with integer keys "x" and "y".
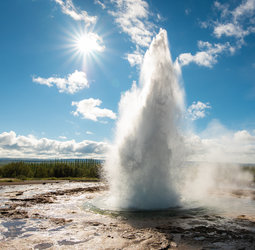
{"x": 9, "y": 180}
{"x": 59, "y": 169}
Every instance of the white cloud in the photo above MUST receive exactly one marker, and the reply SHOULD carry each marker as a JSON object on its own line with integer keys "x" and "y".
{"x": 235, "y": 23}
{"x": 218, "y": 144}
{"x": 229, "y": 29}
{"x": 89, "y": 133}
{"x": 207, "y": 56}
{"x": 18, "y": 146}
{"x": 132, "y": 16}
{"x": 88, "y": 109}
{"x": 246, "y": 8}
{"x": 100, "y": 3}
{"x": 69, "y": 9}
{"x": 215, "y": 144}
{"x": 71, "y": 84}
{"x": 197, "y": 110}
{"x": 223, "y": 8}
{"x": 201, "y": 58}
{"x": 135, "y": 58}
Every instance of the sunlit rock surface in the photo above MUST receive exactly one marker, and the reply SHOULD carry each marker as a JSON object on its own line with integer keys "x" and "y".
{"x": 63, "y": 216}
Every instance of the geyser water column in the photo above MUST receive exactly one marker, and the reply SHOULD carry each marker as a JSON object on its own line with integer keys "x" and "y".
{"x": 142, "y": 165}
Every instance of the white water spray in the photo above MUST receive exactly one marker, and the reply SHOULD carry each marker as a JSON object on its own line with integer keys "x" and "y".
{"x": 142, "y": 164}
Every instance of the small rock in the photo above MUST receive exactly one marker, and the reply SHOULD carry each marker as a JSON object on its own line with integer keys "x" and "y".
{"x": 129, "y": 236}
{"x": 200, "y": 238}
{"x": 43, "y": 246}
{"x": 58, "y": 220}
{"x": 173, "y": 244}
{"x": 95, "y": 224}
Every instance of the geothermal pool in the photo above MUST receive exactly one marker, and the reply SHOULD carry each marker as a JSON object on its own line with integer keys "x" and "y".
{"x": 64, "y": 216}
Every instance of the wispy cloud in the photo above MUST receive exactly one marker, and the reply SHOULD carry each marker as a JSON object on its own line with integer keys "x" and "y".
{"x": 245, "y": 8}
{"x": 135, "y": 58}
{"x": 69, "y": 9}
{"x": 100, "y": 3}
{"x": 71, "y": 84}
{"x": 89, "y": 109}
{"x": 237, "y": 23}
{"x": 89, "y": 133}
{"x": 187, "y": 11}
{"x": 13, "y": 145}
{"x": 229, "y": 29}
{"x": 132, "y": 16}
{"x": 197, "y": 110}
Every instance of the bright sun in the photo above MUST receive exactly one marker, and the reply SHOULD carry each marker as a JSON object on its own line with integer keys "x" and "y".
{"x": 89, "y": 43}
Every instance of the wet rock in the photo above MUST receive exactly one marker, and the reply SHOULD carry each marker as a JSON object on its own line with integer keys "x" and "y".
{"x": 95, "y": 224}
{"x": 162, "y": 245}
{"x": 186, "y": 217}
{"x": 77, "y": 190}
{"x": 13, "y": 213}
{"x": 19, "y": 193}
{"x": 129, "y": 236}
{"x": 113, "y": 225}
{"x": 176, "y": 229}
{"x": 60, "y": 221}
{"x": 199, "y": 238}
{"x": 41, "y": 199}
{"x": 43, "y": 246}
{"x": 70, "y": 243}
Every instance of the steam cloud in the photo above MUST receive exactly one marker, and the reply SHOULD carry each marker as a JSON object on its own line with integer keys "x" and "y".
{"x": 146, "y": 166}
{"x": 148, "y": 149}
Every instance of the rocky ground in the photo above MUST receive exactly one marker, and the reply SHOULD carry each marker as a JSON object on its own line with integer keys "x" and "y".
{"x": 54, "y": 216}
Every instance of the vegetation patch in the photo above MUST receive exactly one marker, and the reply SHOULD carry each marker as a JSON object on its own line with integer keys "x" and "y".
{"x": 70, "y": 170}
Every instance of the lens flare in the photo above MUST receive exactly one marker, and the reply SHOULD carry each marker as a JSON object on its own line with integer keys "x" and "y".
{"x": 89, "y": 43}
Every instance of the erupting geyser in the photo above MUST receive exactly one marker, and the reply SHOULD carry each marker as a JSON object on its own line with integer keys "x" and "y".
{"x": 142, "y": 165}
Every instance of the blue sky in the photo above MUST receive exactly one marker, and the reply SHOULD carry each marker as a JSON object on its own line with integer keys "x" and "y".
{"x": 59, "y": 97}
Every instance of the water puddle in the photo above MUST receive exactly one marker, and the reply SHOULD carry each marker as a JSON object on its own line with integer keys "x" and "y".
{"x": 97, "y": 206}
{"x": 14, "y": 228}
